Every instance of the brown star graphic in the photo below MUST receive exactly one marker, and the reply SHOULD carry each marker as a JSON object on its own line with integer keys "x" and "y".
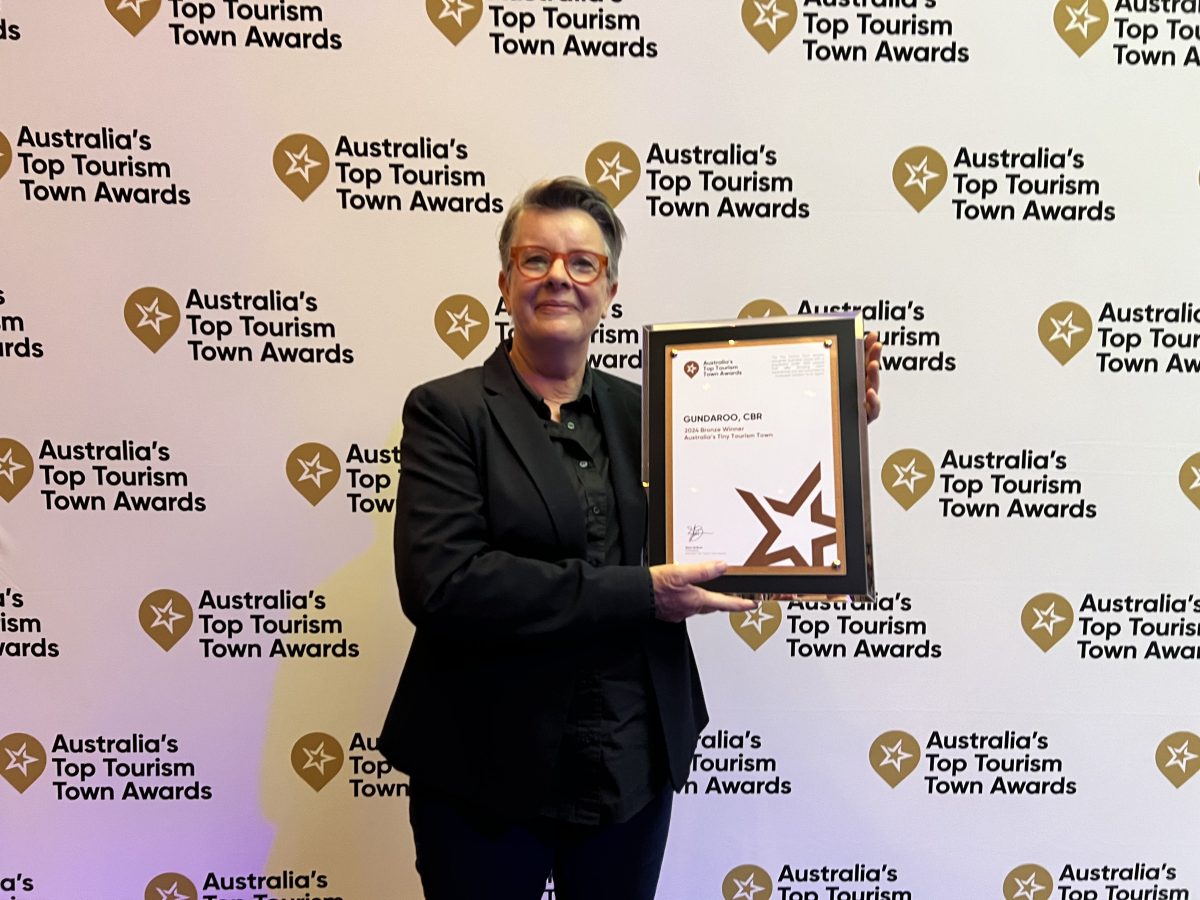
{"x": 762, "y": 555}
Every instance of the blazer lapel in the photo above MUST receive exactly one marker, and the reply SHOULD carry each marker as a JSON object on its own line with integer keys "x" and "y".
{"x": 523, "y": 429}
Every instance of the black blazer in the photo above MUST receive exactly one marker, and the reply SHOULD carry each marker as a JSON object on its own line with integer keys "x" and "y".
{"x": 490, "y": 561}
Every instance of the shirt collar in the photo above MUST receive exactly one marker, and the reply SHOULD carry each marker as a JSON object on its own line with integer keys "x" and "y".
{"x": 586, "y": 398}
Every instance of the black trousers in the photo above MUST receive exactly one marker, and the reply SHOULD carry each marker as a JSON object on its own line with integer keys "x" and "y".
{"x": 466, "y": 856}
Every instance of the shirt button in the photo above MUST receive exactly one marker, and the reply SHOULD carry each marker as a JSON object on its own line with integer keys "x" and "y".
{"x": 570, "y": 426}
{"x": 596, "y": 510}
{"x": 583, "y": 464}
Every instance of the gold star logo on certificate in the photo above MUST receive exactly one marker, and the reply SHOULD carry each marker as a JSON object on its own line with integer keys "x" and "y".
{"x": 769, "y": 21}
{"x": 919, "y": 174}
{"x": 301, "y": 162}
{"x": 461, "y": 323}
{"x": 613, "y": 169}
{"x": 317, "y": 758}
{"x": 1080, "y": 23}
{"x": 313, "y": 470}
{"x": 820, "y": 533}
{"x": 1028, "y": 882}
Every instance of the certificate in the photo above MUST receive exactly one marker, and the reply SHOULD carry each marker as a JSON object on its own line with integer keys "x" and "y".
{"x": 754, "y": 452}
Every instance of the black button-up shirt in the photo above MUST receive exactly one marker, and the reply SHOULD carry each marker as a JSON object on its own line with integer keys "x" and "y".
{"x": 612, "y": 761}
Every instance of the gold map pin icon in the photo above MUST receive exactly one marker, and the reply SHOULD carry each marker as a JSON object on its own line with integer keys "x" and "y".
{"x": 16, "y": 468}
{"x": 454, "y": 18}
{"x": 1178, "y": 757}
{"x": 907, "y": 476}
{"x": 769, "y": 21}
{"x": 462, "y": 323}
{"x": 166, "y": 616}
{"x": 317, "y": 758}
{"x": 762, "y": 309}
{"x": 746, "y": 880}
{"x": 5, "y": 154}
{"x": 22, "y": 760}
{"x": 153, "y": 316}
{"x": 313, "y": 470}
{"x": 1046, "y": 619}
{"x": 613, "y": 169}
{"x": 171, "y": 886}
{"x": 133, "y": 15}
{"x": 301, "y": 162}
{"x": 919, "y": 174}
{"x": 1064, "y": 329}
{"x": 1189, "y": 479}
{"x": 756, "y": 626}
{"x": 894, "y": 755}
{"x": 1028, "y": 882}
{"x": 1080, "y": 23}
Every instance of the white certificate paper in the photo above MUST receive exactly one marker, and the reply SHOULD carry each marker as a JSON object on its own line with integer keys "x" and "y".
{"x": 754, "y": 459}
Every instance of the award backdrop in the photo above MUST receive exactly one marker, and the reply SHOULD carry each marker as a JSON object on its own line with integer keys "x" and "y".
{"x": 236, "y": 234}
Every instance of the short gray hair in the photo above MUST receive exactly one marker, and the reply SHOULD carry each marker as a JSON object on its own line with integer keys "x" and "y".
{"x": 566, "y": 192}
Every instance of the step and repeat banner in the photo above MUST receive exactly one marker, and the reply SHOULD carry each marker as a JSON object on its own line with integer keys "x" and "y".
{"x": 236, "y": 234}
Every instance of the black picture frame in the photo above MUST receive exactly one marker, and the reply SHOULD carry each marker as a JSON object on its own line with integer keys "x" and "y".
{"x": 843, "y": 332}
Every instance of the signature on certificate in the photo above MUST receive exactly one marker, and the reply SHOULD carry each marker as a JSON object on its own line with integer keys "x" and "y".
{"x": 695, "y": 532}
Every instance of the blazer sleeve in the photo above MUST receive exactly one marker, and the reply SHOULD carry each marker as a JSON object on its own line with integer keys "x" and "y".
{"x": 453, "y": 582}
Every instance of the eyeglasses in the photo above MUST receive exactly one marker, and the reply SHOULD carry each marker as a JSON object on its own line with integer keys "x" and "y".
{"x": 583, "y": 266}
